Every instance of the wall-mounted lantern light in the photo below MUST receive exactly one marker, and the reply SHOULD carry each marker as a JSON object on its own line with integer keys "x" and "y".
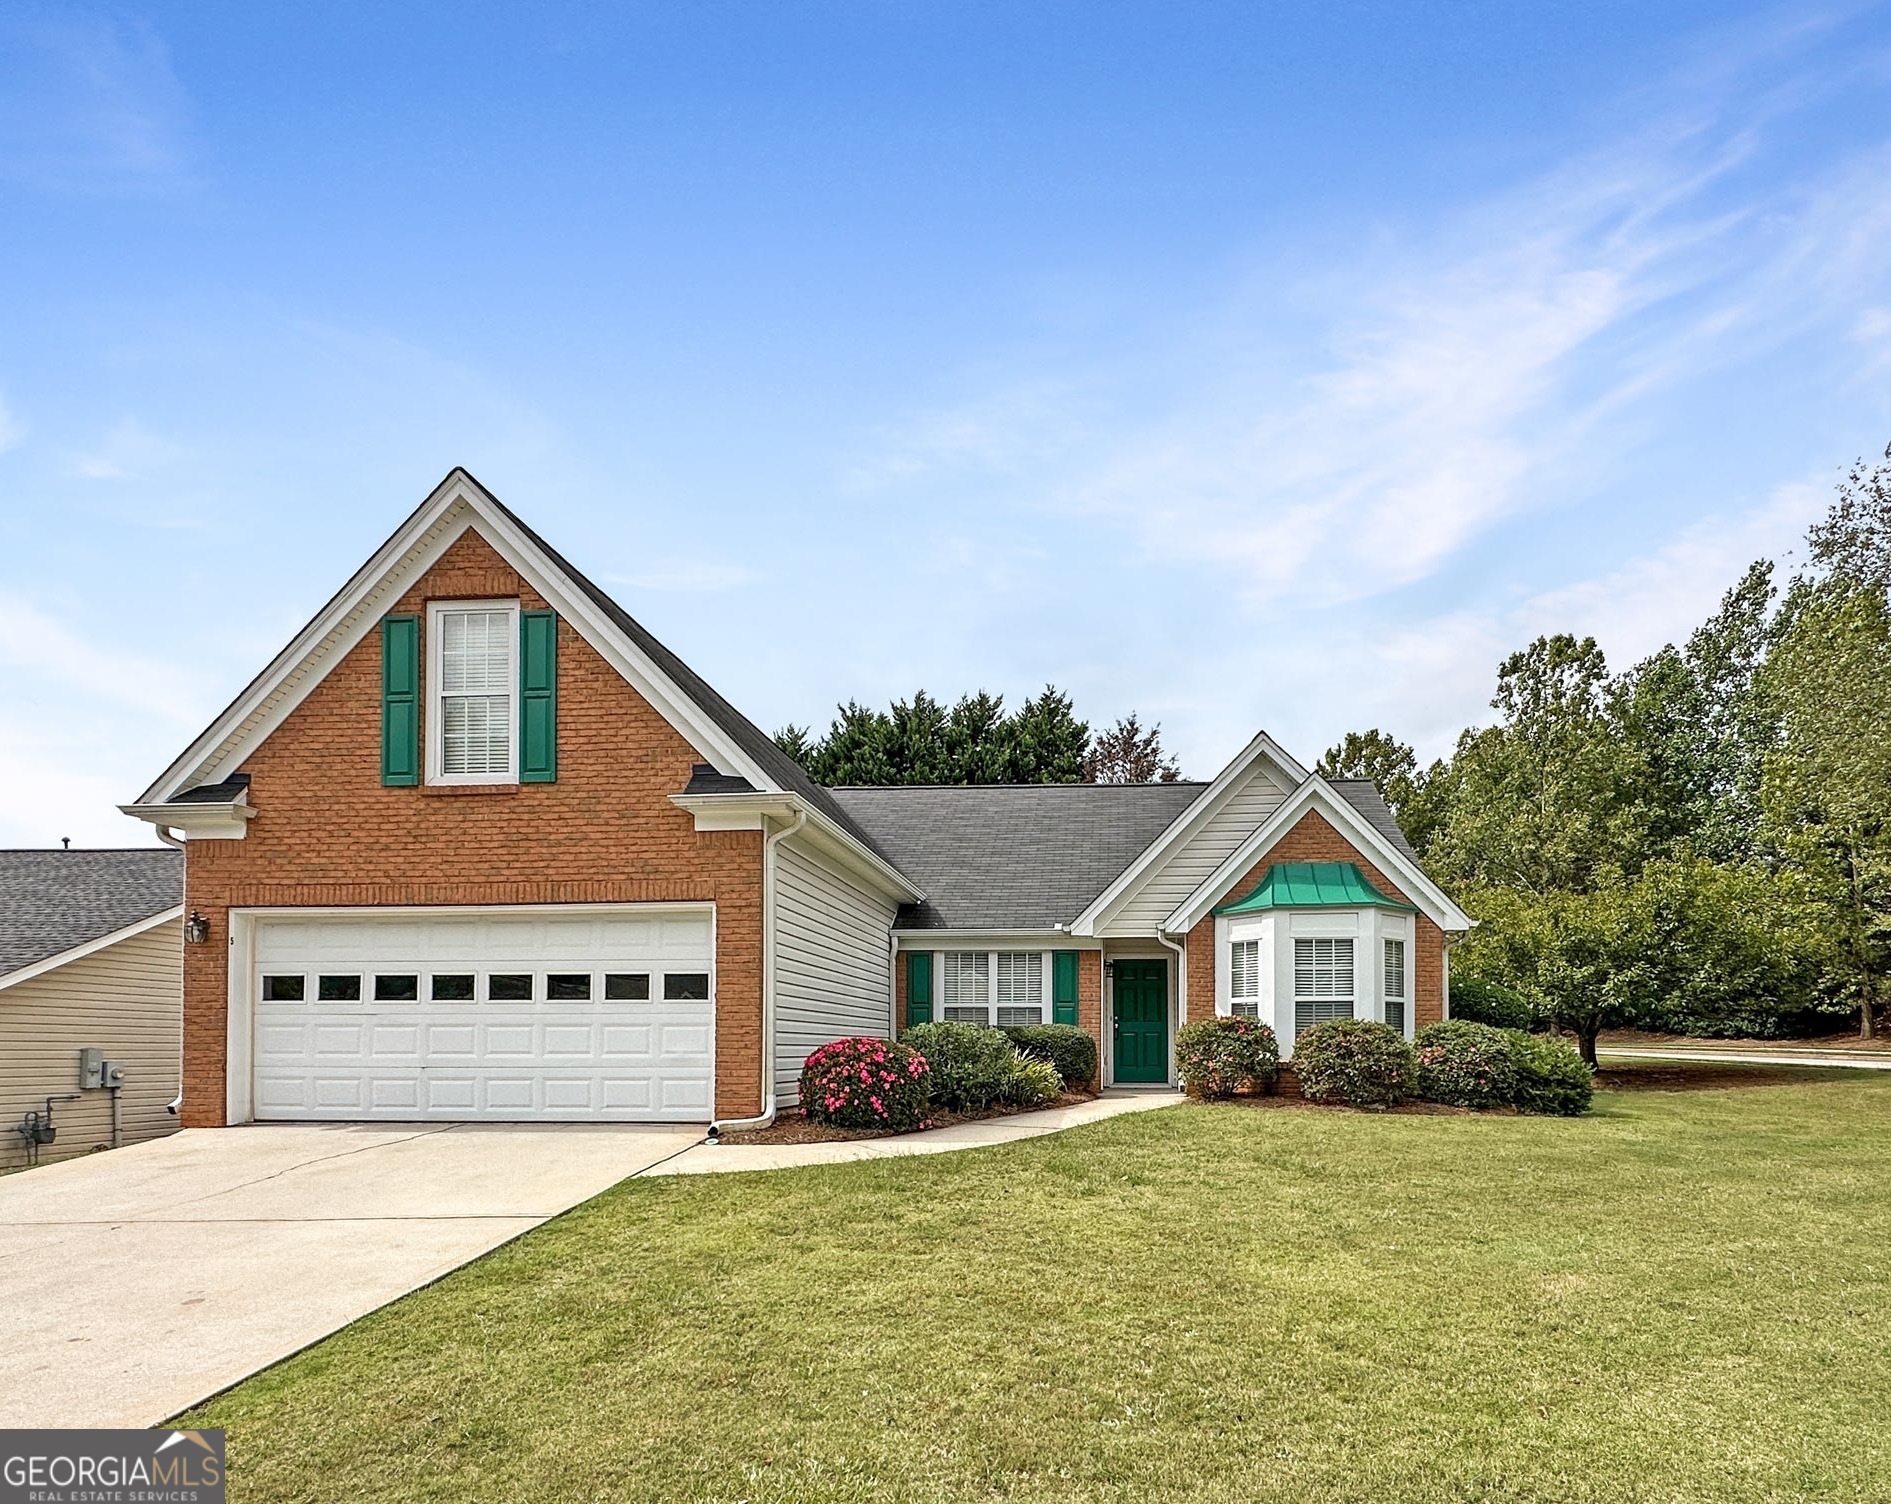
{"x": 196, "y": 928}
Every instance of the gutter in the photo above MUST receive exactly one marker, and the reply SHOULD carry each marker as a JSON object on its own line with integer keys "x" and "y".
{"x": 767, "y": 1114}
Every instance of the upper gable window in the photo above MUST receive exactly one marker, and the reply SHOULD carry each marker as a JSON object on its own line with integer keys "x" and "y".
{"x": 473, "y": 679}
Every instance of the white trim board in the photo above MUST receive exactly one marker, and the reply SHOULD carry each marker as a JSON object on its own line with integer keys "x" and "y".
{"x": 79, "y": 952}
{"x": 1317, "y": 793}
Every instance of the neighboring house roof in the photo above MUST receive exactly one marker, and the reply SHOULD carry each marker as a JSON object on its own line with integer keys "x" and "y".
{"x": 994, "y": 857}
{"x": 55, "y": 901}
{"x": 1313, "y": 885}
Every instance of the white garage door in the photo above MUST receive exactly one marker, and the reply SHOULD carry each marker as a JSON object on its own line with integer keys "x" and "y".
{"x": 598, "y": 1014}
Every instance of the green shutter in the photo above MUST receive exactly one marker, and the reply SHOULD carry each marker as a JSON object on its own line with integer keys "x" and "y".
{"x": 538, "y": 697}
{"x": 1064, "y": 987}
{"x": 400, "y": 701}
{"x": 918, "y": 987}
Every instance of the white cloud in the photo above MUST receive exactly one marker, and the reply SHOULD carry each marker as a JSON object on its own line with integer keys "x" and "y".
{"x": 36, "y": 646}
{"x": 129, "y": 450}
{"x": 89, "y": 104}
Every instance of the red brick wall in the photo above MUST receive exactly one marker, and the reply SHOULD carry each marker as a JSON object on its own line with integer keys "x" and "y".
{"x": 327, "y": 832}
{"x": 1313, "y": 839}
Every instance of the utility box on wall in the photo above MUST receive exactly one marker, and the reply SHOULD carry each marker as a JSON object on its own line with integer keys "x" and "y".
{"x": 91, "y": 1069}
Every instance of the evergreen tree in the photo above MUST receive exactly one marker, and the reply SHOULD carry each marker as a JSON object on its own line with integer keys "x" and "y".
{"x": 1045, "y": 742}
{"x": 975, "y": 739}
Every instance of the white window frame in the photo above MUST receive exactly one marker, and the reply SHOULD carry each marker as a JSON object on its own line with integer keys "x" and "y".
{"x": 435, "y": 691}
{"x": 1244, "y": 1004}
{"x": 1350, "y": 997}
{"x": 1042, "y": 960}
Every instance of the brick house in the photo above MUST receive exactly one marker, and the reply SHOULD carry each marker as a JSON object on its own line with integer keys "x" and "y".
{"x": 476, "y": 846}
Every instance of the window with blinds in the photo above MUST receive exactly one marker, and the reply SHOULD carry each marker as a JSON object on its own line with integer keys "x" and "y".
{"x": 1322, "y": 981}
{"x": 1395, "y": 984}
{"x": 1020, "y": 994}
{"x": 1244, "y": 978}
{"x": 477, "y": 668}
{"x": 965, "y": 986}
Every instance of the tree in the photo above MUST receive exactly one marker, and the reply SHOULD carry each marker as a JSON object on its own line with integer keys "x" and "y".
{"x": 976, "y": 739}
{"x": 1826, "y": 791}
{"x": 1853, "y": 543}
{"x": 1543, "y": 801}
{"x": 916, "y": 742}
{"x": 854, "y": 751}
{"x": 796, "y": 742}
{"x": 1045, "y": 742}
{"x": 1125, "y": 753}
{"x": 1389, "y": 763}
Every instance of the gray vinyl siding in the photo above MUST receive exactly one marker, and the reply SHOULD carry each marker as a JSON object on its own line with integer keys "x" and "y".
{"x": 833, "y": 974}
{"x": 128, "y": 1000}
{"x": 1243, "y": 812}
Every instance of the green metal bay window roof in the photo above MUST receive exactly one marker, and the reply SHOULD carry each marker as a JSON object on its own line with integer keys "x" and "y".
{"x": 1314, "y": 885}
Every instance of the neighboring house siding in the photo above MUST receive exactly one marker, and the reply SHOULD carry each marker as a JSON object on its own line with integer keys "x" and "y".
{"x": 1313, "y": 839}
{"x": 126, "y": 1000}
{"x": 831, "y": 962}
{"x": 327, "y": 832}
{"x": 1246, "y": 809}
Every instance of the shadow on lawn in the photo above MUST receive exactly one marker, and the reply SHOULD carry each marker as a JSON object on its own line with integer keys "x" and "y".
{"x": 1705, "y": 1075}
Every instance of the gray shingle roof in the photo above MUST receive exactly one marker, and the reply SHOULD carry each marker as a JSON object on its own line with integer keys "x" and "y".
{"x": 1363, "y": 795}
{"x": 1012, "y": 856}
{"x": 51, "y": 901}
{"x": 1032, "y": 856}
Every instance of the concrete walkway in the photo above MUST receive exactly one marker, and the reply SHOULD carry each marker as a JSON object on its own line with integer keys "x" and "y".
{"x": 1844, "y": 1059}
{"x": 144, "y": 1280}
{"x": 709, "y": 1159}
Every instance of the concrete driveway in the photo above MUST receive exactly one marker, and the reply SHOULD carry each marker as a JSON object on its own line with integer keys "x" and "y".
{"x": 140, "y": 1281}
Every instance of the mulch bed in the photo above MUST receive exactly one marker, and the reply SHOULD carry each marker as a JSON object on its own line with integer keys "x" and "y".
{"x": 793, "y": 1127}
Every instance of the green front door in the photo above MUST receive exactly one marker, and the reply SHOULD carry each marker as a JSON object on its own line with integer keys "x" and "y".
{"x": 1142, "y": 1020}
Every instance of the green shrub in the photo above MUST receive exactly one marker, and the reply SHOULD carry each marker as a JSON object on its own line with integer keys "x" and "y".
{"x": 1355, "y": 1061}
{"x": 1476, "y": 1001}
{"x": 1072, "y": 1050}
{"x": 972, "y": 1066}
{"x": 1466, "y": 1065}
{"x": 1551, "y": 1077}
{"x": 865, "y": 1083}
{"x": 1034, "y": 1082}
{"x": 1216, "y": 1057}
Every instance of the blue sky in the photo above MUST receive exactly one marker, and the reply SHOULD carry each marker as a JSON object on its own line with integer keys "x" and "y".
{"x": 1242, "y": 365}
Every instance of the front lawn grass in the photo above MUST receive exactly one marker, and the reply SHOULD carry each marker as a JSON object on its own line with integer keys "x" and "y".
{"x": 1681, "y": 1297}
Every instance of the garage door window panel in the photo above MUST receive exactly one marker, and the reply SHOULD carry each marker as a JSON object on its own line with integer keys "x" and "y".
{"x": 451, "y": 987}
{"x": 509, "y": 987}
{"x": 627, "y": 986}
{"x": 283, "y": 989}
{"x": 338, "y": 989}
{"x": 568, "y": 987}
{"x": 402, "y": 987}
{"x": 686, "y": 987}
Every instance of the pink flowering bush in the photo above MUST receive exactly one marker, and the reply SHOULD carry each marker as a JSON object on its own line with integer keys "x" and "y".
{"x": 1466, "y": 1065}
{"x": 1216, "y": 1057}
{"x": 866, "y": 1083}
{"x": 1355, "y": 1061}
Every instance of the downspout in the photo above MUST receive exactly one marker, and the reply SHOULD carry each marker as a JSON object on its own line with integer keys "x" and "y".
{"x": 892, "y": 984}
{"x": 767, "y": 1114}
{"x": 1181, "y": 992}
